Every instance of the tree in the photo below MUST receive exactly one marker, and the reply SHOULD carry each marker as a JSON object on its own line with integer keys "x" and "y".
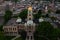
{"x": 47, "y": 15}
{"x": 49, "y": 11}
{"x": 1, "y": 27}
{"x": 7, "y": 15}
{"x": 15, "y": 1}
{"x": 38, "y": 15}
{"x": 57, "y": 0}
{"x": 58, "y": 12}
{"x": 46, "y": 30}
{"x": 23, "y": 14}
{"x": 3, "y": 37}
{"x": 23, "y": 34}
{"x": 53, "y": 18}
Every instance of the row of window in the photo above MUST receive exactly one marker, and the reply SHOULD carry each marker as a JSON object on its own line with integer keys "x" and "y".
{"x": 28, "y": 37}
{"x": 6, "y": 29}
{"x": 10, "y": 32}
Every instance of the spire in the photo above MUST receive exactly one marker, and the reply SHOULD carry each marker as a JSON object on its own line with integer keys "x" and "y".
{"x": 29, "y": 8}
{"x": 29, "y": 16}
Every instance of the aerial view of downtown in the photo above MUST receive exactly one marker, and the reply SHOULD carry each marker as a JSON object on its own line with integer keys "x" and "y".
{"x": 29, "y": 19}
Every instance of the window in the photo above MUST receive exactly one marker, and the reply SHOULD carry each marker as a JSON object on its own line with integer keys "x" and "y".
{"x": 29, "y": 14}
{"x": 31, "y": 37}
{"x": 27, "y": 37}
{"x": 10, "y": 28}
{"x": 5, "y": 29}
{"x": 29, "y": 18}
{"x": 18, "y": 23}
{"x": 29, "y": 31}
{"x": 13, "y": 28}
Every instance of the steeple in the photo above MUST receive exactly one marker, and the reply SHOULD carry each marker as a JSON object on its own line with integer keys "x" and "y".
{"x": 30, "y": 26}
{"x": 30, "y": 16}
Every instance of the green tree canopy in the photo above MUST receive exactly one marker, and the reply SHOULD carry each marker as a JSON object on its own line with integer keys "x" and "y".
{"x": 23, "y": 14}
{"x": 58, "y": 12}
{"x": 46, "y": 30}
{"x": 7, "y": 15}
{"x": 15, "y": 1}
{"x": 53, "y": 18}
{"x": 38, "y": 15}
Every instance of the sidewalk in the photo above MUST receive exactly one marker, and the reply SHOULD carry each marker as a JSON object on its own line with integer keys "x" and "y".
{"x": 16, "y": 37}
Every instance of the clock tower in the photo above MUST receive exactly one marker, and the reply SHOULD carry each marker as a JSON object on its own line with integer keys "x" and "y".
{"x": 30, "y": 25}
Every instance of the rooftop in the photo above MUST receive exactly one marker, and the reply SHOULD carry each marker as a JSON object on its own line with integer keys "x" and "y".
{"x": 1, "y": 20}
{"x": 11, "y": 22}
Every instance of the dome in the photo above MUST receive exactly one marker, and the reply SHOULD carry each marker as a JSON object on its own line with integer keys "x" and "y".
{"x": 18, "y": 20}
{"x": 41, "y": 19}
{"x": 30, "y": 8}
{"x": 30, "y": 22}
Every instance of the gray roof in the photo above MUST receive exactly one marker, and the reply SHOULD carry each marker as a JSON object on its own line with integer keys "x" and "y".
{"x": 1, "y": 20}
{"x": 11, "y": 22}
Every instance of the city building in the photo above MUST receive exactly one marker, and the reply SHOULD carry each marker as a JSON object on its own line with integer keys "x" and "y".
{"x": 14, "y": 26}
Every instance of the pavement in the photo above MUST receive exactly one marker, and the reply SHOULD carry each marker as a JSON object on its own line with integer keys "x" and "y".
{"x": 16, "y": 37}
